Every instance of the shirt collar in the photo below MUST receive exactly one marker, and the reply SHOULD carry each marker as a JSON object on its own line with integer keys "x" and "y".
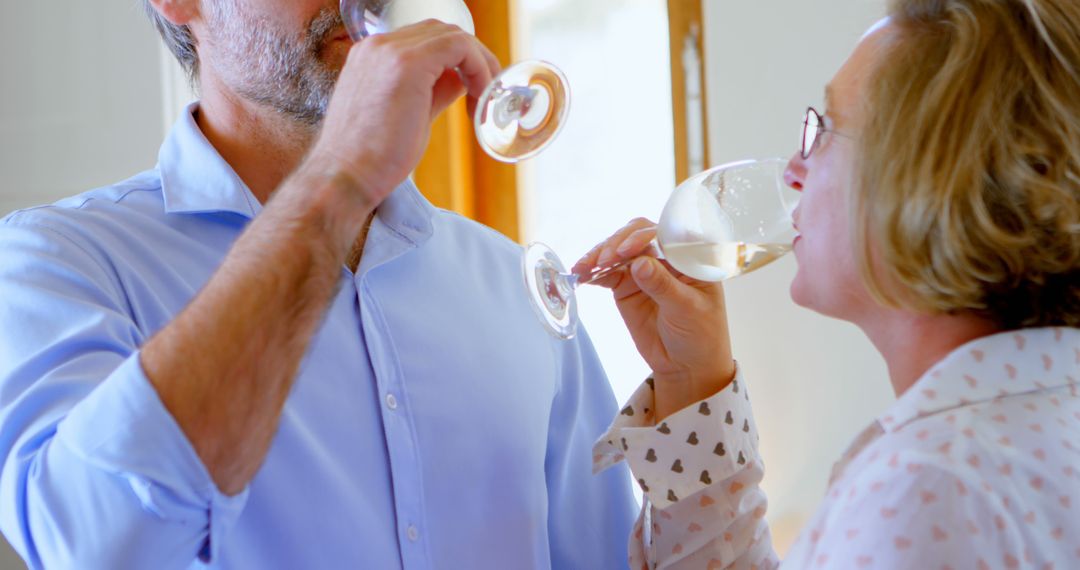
{"x": 996, "y": 366}
{"x": 196, "y": 179}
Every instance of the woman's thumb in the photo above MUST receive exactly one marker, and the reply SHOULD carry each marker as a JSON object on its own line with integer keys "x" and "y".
{"x": 655, "y": 280}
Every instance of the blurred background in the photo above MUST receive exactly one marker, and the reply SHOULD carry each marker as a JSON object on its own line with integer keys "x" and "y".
{"x": 661, "y": 89}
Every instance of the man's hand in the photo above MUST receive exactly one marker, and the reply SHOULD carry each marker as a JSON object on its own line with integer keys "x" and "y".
{"x": 678, "y": 324}
{"x": 390, "y": 90}
{"x": 225, "y": 365}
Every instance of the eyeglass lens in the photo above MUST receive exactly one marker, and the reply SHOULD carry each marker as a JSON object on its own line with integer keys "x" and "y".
{"x": 811, "y": 129}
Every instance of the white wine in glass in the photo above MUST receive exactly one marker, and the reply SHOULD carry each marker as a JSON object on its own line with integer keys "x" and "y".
{"x": 717, "y": 262}
{"x": 523, "y": 109}
{"x": 722, "y": 223}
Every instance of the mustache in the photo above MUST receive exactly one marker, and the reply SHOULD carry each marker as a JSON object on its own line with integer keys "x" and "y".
{"x": 323, "y": 28}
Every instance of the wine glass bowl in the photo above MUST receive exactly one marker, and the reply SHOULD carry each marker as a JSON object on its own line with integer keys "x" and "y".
{"x": 519, "y": 114}
{"x": 365, "y": 18}
{"x": 719, "y": 224}
{"x": 728, "y": 220}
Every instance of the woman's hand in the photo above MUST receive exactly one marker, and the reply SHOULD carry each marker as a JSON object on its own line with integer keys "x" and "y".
{"x": 678, "y": 324}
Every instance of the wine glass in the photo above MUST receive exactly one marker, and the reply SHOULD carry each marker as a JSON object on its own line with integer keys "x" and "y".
{"x": 523, "y": 109}
{"x": 721, "y": 223}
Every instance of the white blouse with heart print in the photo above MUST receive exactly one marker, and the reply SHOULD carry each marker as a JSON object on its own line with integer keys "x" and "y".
{"x": 976, "y": 466}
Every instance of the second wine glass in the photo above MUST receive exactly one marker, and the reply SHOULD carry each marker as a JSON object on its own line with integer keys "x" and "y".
{"x": 722, "y": 223}
{"x": 518, "y": 115}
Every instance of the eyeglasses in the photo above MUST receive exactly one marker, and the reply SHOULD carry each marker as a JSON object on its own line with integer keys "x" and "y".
{"x": 813, "y": 127}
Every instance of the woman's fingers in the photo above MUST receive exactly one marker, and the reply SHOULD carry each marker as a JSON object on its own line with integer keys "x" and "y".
{"x": 587, "y": 261}
{"x": 609, "y": 255}
{"x": 637, "y": 243}
{"x": 612, "y": 279}
{"x": 663, "y": 286}
{"x": 604, "y": 254}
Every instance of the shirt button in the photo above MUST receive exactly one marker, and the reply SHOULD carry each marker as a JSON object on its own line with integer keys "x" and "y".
{"x": 391, "y": 402}
{"x": 413, "y": 534}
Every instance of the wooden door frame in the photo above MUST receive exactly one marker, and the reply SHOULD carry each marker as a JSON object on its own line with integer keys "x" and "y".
{"x": 685, "y": 21}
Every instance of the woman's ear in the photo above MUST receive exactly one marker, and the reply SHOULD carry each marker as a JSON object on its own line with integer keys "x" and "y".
{"x": 179, "y": 12}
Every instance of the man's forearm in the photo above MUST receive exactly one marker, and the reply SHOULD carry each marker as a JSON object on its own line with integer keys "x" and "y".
{"x": 224, "y": 367}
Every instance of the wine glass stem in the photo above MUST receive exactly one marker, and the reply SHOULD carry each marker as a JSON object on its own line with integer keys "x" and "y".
{"x": 565, "y": 283}
{"x": 601, "y": 272}
{"x": 597, "y": 273}
{"x": 514, "y": 102}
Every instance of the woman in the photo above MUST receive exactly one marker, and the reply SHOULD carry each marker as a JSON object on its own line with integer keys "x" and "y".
{"x": 940, "y": 214}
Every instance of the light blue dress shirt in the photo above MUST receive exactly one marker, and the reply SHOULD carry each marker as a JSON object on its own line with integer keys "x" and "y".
{"x": 433, "y": 424}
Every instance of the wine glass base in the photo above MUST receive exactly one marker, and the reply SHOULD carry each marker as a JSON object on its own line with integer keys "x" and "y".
{"x": 522, "y": 111}
{"x": 555, "y": 305}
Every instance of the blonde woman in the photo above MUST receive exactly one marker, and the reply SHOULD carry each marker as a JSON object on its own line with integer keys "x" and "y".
{"x": 940, "y": 214}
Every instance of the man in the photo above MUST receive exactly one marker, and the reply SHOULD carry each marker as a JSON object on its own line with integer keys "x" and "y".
{"x": 271, "y": 352}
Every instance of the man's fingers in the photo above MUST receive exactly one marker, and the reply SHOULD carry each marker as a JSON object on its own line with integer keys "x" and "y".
{"x": 461, "y": 51}
{"x": 447, "y": 90}
{"x": 493, "y": 62}
{"x": 394, "y": 84}
{"x": 494, "y": 67}
{"x": 450, "y": 48}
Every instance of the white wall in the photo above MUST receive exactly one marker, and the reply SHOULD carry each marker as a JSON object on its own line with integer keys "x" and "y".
{"x": 80, "y": 104}
{"x": 81, "y": 99}
{"x": 815, "y": 382}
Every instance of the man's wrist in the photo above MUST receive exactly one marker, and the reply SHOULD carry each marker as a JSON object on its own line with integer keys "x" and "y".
{"x": 334, "y": 198}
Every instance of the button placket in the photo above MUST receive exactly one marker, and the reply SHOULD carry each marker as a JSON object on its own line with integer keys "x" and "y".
{"x": 398, "y": 430}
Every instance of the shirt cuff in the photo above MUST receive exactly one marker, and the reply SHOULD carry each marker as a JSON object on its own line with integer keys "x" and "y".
{"x": 122, "y": 427}
{"x": 690, "y": 450}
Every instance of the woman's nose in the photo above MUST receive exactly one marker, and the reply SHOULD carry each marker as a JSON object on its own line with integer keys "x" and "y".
{"x": 795, "y": 172}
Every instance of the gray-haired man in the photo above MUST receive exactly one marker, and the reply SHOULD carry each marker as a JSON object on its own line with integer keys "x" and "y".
{"x": 270, "y": 351}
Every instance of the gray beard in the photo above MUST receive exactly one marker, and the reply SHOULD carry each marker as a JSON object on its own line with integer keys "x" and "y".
{"x": 271, "y": 68}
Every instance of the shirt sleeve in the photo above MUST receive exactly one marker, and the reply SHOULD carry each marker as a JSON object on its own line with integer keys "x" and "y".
{"x": 910, "y": 510}
{"x": 95, "y": 471}
{"x": 700, "y": 471}
{"x": 589, "y": 518}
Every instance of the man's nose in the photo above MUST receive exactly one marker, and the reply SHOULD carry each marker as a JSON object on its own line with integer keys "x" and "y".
{"x": 795, "y": 172}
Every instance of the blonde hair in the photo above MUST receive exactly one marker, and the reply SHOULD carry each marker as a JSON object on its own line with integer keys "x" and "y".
{"x": 967, "y": 193}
